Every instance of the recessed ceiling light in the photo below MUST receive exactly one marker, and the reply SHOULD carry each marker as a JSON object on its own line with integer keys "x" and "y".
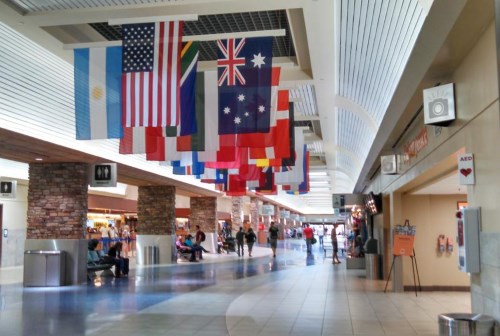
{"x": 38, "y": 159}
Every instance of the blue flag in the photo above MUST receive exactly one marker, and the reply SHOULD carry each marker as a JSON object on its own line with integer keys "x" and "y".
{"x": 194, "y": 167}
{"x": 98, "y": 95}
{"x": 189, "y": 66}
{"x": 244, "y": 79}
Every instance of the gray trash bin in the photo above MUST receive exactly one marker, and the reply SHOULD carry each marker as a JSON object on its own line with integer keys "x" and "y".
{"x": 44, "y": 268}
{"x": 151, "y": 255}
{"x": 372, "y": 266}
{"x": 461, "y": 324}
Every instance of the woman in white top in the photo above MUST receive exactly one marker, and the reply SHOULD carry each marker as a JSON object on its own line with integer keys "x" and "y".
{"x": 104, "y": 238}
{"x": 113, "y": 235}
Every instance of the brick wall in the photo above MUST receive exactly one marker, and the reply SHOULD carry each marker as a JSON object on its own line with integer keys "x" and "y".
{"x": 156, "y": 210}
{"x": 203, "y": 213}
{"x": 57, "y": 200}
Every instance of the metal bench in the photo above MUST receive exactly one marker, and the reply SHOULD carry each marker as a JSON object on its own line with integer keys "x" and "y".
{"x": 95, "y": 264}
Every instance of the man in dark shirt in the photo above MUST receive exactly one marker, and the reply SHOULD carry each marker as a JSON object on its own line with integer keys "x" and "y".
{"x": 114, "y": 257}
{"x": 199, "y": 238}
{"x": 240, "y": 236}
{"x": 273, "y": 238}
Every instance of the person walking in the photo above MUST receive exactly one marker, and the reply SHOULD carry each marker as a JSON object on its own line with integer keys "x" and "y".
{"x": 240, "y": 236}
{"x": 251, "y": 238}
{"x": 321, "y": 233}
{"x": 199, "y": 238}
{"x": 335, "y": 245}
{"x": 308, "y": 235}
{"x": 273, "y": 238}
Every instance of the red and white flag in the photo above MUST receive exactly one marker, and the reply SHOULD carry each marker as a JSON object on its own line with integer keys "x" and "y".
{"x": 151, "y": 74}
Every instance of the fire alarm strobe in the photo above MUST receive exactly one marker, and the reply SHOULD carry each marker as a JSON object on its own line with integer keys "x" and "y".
{"x": 439, "y": 105}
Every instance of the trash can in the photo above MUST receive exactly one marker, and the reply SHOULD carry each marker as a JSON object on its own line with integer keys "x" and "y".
{"x": 462, "y": 324}
{"x": 44, "y": 268}
{"x": 372, "y": 266}
{"x": 151, "y": 255}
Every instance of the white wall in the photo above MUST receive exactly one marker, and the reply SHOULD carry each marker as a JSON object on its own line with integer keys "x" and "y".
{"x": 477, "y": 131}
{"x": 433, "y": 215}
{"x": 14, "y": 219}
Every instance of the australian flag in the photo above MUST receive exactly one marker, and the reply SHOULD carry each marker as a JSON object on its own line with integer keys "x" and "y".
{"x": 244, "y": 79}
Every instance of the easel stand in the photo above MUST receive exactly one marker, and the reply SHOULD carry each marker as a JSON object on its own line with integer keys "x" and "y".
{"x": 414, "y": 269}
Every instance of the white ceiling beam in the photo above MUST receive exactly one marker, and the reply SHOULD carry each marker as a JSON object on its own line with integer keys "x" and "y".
{"x": 103, "y": 14}
{"x": 301, "y": 117}
{"x": 149, "y": 19}
{"x": 207, "y": 37}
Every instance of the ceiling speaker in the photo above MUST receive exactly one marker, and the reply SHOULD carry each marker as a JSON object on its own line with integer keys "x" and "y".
{"x": 389, "y": 165}
{"x": 439, "y": 105}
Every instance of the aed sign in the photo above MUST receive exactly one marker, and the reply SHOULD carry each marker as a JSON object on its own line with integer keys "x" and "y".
{"x": 466, "y": 169}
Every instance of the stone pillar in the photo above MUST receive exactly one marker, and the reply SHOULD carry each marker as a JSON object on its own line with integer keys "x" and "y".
{"x": 156, "y": 223}
{"x": 57, "y": 201}
{"x": 204, "y": 214}
{"x": 236, "y": 212}
{"x": 57, "y": 214}
{"x": 266, "y": 220}
{"x": 254, "y": 213}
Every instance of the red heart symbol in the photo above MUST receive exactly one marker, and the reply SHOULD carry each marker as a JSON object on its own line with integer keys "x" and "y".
{"x": 466, "y": 172}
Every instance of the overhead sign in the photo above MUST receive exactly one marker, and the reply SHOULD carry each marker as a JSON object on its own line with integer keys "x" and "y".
{"x": 466, "y": 169}
{"x": 267, "y": 210}
{"x": 388, "y": 164}
{"x": 8, "y": 189}
{"x": 338, "y": 201}
{"x": 285, "y": 214}
{"x": 103, "y": 175}
{"x": 412, "y": 148}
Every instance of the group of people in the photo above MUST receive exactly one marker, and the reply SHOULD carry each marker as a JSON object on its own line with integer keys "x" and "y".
{"x": 241, "y": 236}
{"x": 113, "y": 256}
{"x": 110, "y": 235}
{"x": 186, "y": 244}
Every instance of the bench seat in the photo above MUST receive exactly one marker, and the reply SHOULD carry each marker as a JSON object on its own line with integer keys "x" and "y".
{"x": 95, "y": 264}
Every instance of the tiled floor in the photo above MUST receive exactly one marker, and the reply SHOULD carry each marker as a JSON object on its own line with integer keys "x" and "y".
{"x": 294, "y": 294}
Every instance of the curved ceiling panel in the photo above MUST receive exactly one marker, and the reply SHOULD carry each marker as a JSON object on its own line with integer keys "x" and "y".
{"x": 376, "y": 38}
{"x": 347, "y": 163}
{"x": 304, "y": 100}
{"x": 353, "y": 134}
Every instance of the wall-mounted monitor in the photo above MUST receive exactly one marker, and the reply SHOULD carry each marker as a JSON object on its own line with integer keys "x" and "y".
{"x": 373, "y": 203}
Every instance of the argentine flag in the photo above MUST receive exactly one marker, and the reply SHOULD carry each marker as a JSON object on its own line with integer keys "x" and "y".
{"x": 98, "y": 93}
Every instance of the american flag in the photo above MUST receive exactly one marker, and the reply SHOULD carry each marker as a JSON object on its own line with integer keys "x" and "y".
{"x": 151, "y": 74}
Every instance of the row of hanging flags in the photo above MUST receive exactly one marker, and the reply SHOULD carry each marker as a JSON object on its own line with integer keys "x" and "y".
{"x": 232, "y": 127}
